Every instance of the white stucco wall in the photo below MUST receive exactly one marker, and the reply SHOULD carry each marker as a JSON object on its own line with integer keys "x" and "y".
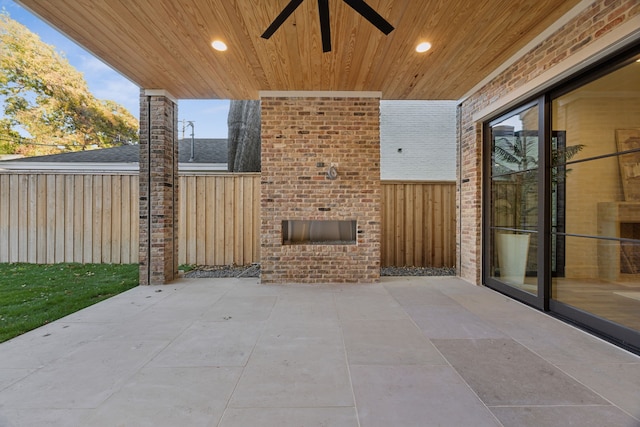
{"x": 425, "y": 134}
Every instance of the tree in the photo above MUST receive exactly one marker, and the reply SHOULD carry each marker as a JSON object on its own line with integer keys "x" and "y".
{"x": 49, "y": 99}
{"x": 244, "y": 136}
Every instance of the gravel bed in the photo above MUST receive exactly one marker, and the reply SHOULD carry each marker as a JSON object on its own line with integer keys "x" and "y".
{"x": 202, "y": 271}
{"x": 417, "y": 271}
{"x": 217, "y": 271}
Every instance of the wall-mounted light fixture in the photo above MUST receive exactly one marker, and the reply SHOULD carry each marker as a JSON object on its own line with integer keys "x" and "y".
{"x": 332, "y": 173}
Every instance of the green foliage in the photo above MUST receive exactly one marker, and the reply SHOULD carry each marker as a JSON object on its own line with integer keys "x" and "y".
{"x": 8, "y": 137}
{"x": 186, "y": 267}
{"x": 32, "y": 295}
{"x": 523, "y": 154}
{"x": 517, "y": 158}
{"x": 50, "y": 99}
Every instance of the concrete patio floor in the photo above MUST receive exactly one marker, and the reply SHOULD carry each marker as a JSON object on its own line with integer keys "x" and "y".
{"x": 418, "y": 351}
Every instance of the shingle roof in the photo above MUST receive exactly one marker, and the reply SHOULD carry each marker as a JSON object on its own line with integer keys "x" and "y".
{"x": 206, "y": 150}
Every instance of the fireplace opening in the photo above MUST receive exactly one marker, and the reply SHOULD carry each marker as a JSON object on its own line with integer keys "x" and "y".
{"x": 318, "y": 232}
{"x": 629, "y": 251}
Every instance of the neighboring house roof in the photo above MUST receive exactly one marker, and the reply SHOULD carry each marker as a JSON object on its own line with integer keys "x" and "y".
{"x": 123, "y": 154}
{"x": 206, "y": 150}
{"x": 208, "y": 153}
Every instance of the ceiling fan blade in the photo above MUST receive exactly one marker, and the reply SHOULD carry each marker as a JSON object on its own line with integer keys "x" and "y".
{"x": 325, "y": 27}
{"x": 286, "y": 12}
{"x": 370, "y": 15}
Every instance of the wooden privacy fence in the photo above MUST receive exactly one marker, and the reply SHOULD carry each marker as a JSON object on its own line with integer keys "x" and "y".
{"x": 418, "y": 224}
{"x": 93, "y": 218}
{"x": 219, "y": 221}
{"x": 48, "y": 218}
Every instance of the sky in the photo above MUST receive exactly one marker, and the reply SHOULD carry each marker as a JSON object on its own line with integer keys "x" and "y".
{"x": 209, "y": 116}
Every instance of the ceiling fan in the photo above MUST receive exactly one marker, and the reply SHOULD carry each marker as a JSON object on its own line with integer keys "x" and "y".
{"x": 323, "y": 8}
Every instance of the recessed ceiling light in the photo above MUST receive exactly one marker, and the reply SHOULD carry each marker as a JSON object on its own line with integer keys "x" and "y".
{"x": 423, "y": 47}
{"x": 219, "y": 45}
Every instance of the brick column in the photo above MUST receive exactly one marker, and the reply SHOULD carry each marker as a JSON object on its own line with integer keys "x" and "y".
{"x": 158, "y": 188}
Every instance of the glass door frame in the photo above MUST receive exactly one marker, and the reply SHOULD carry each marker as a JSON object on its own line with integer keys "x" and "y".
{"x": 541, "y": 299}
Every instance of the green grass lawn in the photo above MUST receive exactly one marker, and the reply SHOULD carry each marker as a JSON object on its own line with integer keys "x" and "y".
{"x": 32, "y": 295}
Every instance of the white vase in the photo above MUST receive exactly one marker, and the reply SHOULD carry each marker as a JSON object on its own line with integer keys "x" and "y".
{"x": 513, "y": 252}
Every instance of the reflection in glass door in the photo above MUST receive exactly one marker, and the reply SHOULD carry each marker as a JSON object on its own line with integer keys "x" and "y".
{"x": 513, "y": 199}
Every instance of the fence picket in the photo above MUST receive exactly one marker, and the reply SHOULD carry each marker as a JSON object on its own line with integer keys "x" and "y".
{"x": 5, "y": 209}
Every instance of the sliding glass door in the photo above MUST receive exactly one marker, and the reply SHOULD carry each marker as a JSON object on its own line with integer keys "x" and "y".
{"x": 561, "y": 213}
{"x": 599, "y": 170}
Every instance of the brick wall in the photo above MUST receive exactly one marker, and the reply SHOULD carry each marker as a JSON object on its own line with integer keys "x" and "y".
{"x": 158, "y": 190}
{"x": 301, "y": 138}
{"x": 418, "y": 140}
{"x": 594, "y": 22}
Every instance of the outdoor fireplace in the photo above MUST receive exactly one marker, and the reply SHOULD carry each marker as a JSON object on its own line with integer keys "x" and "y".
{"x": 318, "y": 232}
{"x": 320, "y": 188}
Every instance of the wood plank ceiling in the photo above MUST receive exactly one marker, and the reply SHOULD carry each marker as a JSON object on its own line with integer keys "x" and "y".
{"x": 166, "y": 44}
